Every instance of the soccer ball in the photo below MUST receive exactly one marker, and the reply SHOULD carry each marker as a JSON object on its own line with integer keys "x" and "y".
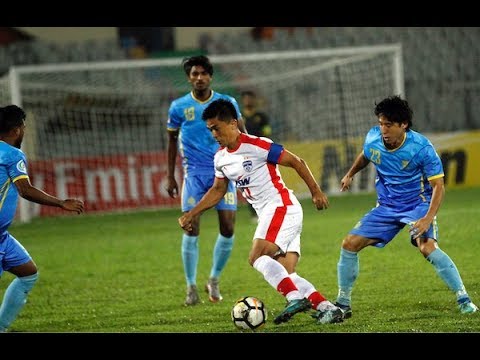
{"x": 249, "y": 313}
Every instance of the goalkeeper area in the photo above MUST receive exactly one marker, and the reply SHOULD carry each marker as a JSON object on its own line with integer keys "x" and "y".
{"x": 98, "y": 130}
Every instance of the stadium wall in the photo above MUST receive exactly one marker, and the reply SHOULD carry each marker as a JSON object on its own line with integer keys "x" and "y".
{"x": 118, "y": 182}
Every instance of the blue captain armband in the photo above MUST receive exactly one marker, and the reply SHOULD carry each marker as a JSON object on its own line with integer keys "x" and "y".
{"x": 274, "y": 153}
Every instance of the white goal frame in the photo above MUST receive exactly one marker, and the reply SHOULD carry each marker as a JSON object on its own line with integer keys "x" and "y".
{"x": 339, "y": 56}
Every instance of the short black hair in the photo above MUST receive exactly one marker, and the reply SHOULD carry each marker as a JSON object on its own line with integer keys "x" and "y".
{"x": 200, "y": 60}
{"x": 11, "y": 116}
{"x": 222, "y": 109}
{"x": 395, "y": 109}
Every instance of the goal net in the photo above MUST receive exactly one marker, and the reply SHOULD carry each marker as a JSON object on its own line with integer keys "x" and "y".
{"x": 98, "y": 130}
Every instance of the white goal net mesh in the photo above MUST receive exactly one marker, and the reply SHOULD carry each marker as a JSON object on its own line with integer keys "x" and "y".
{"x": 98, "y": 130}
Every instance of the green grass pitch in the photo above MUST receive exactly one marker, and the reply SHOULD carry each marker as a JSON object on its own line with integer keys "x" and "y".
{"x": 122, "y": 273}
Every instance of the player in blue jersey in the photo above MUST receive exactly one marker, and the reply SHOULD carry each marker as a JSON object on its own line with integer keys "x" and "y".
{"x": 14, "y": 180}
{"x": 189, "y": 135}
{"x": 410, "y": 189}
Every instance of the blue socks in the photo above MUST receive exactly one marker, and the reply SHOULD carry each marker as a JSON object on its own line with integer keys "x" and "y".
{"x": 14, "y": 299}
{"x": 348, "y": 267}
{"x": 190, "y": 258}
{"x": 347, "y": 272}
{"x": 448, "y": 272}
{"x": 221, "y": 254}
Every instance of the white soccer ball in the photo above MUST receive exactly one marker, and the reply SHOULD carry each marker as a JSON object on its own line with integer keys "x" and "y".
{"x": 249, "y": 313}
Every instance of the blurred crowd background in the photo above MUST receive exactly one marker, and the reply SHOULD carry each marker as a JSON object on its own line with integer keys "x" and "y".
{"x": 441, "y": 64}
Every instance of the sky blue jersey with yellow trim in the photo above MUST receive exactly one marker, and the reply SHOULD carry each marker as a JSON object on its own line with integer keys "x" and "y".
{"x": 13, "y": 166}
{"x": 196, "y": 144}
{"x": 403, "y": 173}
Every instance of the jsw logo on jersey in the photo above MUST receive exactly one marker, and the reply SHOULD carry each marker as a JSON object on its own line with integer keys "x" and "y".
{"x": 242, "y": 182}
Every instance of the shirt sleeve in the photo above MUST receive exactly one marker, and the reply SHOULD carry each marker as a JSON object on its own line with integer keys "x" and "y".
{"x": 431, "y": 163}
{"x": 17, "y": 166}
{"x": 174, "y": 121}
{"x": 218, "y": 171}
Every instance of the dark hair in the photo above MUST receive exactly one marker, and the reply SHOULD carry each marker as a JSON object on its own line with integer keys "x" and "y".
{"x": 200, "y": 60}
{"x": 395, "y": 109}
{"x": 221, "y": 109}
{"x": 11, "y": 116}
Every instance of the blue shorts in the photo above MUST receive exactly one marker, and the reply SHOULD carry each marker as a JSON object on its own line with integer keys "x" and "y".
{"x": 194, "y": 187}
{"x": 383, "y": 223}
{"x": 12, "y": 253}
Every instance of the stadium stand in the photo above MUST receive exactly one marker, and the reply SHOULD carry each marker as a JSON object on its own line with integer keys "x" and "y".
{"x": 31, "y": 52}
{"x": 442, "y": 64}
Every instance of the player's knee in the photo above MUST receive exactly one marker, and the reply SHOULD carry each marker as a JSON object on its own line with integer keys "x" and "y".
{"x": 355, "y": 243}
{"x": 348, "y": 244}
{"x": 28, "y": 282}
{"x": 427, "y": 246}
{"x": 252, "y": 257}
{"x": 226, "y": 230}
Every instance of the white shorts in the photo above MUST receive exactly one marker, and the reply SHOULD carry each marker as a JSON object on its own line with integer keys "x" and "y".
{"x": 282, "y": 226}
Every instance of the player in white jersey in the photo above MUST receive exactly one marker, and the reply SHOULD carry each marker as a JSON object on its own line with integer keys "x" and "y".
{"x": 251, "y": 162}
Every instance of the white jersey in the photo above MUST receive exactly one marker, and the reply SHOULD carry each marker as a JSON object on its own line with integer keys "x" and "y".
{"x": 253, "y": 169}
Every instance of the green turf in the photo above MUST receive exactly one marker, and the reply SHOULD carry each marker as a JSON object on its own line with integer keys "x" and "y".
{"x": 122, "y": 273}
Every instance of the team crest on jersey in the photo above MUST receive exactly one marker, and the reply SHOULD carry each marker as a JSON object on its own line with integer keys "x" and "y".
{"x": 247, "y": 165}
{"x": 404, "y": 163}
{"x": 21, "y": 166}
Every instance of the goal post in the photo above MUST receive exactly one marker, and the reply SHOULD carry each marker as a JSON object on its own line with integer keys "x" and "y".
{"x": 97, "y": 130}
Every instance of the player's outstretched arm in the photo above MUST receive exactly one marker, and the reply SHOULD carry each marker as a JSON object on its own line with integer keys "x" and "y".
{"x": 360, "y": 162}
{"x": 73, "y": 205}
{"x": 210, "y": 199}
{"x": 31, "y": 193}
{"x": 289, "y": 159}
